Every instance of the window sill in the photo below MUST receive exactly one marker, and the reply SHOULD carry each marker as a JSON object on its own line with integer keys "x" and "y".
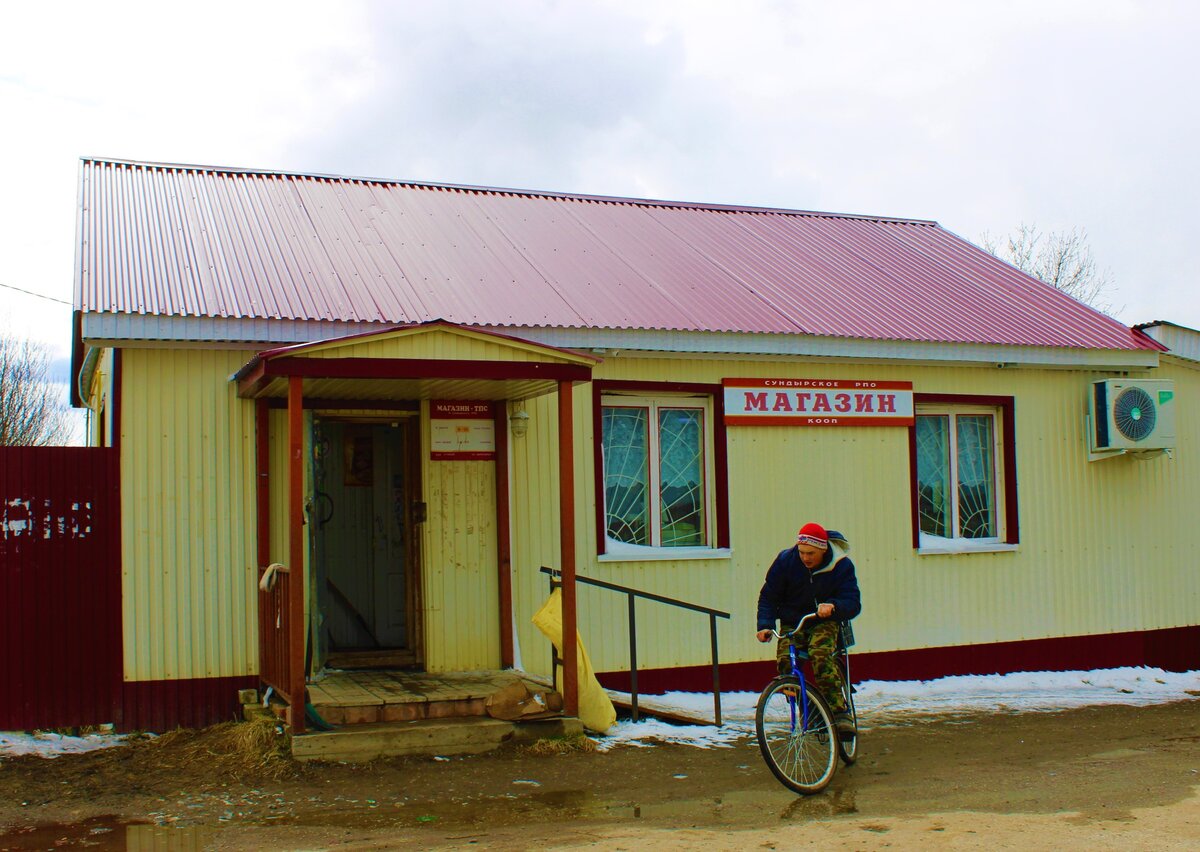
{"x": 666, "y": 554}
{"x": 950, "y": 547}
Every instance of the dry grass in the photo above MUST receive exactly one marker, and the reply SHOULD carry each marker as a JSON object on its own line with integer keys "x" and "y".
{"x": 255, "y": 748}
{"x": 559, "y": 745}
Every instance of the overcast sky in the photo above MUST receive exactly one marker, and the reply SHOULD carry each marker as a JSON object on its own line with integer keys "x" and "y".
{"x": 978, "y": 115}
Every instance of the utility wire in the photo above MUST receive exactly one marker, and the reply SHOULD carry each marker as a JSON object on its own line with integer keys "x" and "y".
{"x": 31, "y": 293}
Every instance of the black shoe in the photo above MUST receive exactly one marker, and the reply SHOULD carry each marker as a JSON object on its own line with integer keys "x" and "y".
{"x": 844, "y": 723}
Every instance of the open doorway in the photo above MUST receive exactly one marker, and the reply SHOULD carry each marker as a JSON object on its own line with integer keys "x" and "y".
{"x": 365, "y": 507}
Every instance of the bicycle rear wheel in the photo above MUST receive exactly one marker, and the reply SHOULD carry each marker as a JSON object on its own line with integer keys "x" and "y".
{"x": 799, "y": 747}
{"x": 848, "y": 743}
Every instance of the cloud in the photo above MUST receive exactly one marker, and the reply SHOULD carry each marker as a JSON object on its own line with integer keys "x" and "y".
{"x": 1064, "y": 113}
{"x": 497, "y": 94}
{"x": 60, "y": 371}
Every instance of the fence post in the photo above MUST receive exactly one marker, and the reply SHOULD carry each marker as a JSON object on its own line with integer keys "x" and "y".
{"x": 633, "y": 686}
{"x": 712, "y": 625}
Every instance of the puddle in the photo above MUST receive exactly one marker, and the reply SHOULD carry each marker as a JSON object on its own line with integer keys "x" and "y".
{"x": 464, "y": 814}
{"x": 831, "y": 803}
{"x": 513, "y": 809}
{"x": 104, "y": 834}
{"x": 524, "y": 808}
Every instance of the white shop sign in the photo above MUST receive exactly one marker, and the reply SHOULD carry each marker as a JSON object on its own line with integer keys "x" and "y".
{"x": 817, "y": 402}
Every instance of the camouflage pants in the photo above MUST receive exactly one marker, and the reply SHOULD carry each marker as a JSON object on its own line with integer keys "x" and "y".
{"x": 821, "y": 643}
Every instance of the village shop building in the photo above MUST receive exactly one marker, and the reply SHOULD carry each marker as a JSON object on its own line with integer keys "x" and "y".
{"x": 412, "y": 397}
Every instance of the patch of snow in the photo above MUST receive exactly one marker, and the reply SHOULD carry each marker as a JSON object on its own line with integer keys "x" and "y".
{"x": 890, "y": 703}
{"x": 1025, "y": 691}
{"x": 49, "y": 744}
{"x": 648, "y": 731}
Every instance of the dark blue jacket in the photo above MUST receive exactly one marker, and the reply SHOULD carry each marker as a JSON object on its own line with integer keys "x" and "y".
{"x": 791, "y": 591}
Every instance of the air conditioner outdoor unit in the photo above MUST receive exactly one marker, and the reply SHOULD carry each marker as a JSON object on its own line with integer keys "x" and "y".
{"x": 1131, "y": 415}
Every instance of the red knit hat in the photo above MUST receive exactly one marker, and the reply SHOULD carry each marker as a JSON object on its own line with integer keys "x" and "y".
{"x": 813, "y": 535}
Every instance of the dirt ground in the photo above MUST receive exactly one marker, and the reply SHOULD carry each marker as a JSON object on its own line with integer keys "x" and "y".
{"x": 1096, "y": 778}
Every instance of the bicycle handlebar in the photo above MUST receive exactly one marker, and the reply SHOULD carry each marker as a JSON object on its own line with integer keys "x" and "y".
{"x": 798, "y": 628}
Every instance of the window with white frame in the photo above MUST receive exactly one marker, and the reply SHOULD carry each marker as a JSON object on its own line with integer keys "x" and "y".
{"x": 657, "y": 470}
{"x": 959, "y": 477}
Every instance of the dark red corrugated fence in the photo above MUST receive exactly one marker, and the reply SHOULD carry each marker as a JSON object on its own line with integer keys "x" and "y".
{"x": 60, "y": 587}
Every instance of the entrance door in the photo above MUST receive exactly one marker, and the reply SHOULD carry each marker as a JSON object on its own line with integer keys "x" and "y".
{"x": 365, "y": 545}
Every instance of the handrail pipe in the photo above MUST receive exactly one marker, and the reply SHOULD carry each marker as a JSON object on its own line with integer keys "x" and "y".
{"x": 633, "y": 595}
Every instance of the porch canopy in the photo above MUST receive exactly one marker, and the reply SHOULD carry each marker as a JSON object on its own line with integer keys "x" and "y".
{"x": 431, "y": 360}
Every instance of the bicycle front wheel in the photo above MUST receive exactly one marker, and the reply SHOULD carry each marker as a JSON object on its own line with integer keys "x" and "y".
{"x": 796, "y": 735}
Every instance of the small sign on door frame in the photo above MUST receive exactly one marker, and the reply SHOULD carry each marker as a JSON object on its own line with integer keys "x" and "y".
{"x": 461, "y": 431}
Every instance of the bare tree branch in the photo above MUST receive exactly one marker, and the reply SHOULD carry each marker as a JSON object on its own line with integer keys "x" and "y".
{"x": 31, "y": 411}
{"x": 1062, "y": 259}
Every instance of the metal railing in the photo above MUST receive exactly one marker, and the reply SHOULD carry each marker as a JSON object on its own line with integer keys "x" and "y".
{"x": 633, "y": 595}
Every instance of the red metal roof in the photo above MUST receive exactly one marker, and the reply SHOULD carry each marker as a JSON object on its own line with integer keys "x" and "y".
{"x": 199, "y": 241}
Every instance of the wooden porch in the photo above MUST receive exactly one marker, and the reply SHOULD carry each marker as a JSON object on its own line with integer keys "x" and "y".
{"x": 391, "y": 713}
{"x": 367, "y": 697}
{"x": 353, "y": 377}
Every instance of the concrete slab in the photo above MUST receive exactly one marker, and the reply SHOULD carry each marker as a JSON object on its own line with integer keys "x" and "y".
{"x": 361, "y": 743}
{"x": 531, "y": 730}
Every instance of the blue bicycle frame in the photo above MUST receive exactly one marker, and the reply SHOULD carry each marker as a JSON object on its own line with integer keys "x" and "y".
{"x": 798, "y": 658}
{"x": 797, "y": 670}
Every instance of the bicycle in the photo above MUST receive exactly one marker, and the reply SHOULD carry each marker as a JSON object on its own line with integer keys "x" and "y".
{"x": 795, "y": 727}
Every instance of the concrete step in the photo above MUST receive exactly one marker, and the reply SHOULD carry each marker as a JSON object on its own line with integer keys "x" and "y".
{"x": 472, "y": 735}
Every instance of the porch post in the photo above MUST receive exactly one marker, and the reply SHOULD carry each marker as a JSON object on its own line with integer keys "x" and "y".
{"x": 503, "y": 539}
{"x": 262, "y": 471}
{"x": 566, "y": 518}
{"x": 262, "y": 465}
{"x": 296, "y": 580}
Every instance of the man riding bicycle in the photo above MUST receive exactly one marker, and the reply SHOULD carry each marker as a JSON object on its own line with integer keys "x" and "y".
{"x": 814, "y": 576}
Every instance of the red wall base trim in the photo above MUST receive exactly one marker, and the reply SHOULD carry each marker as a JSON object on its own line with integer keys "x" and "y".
{"x": 1176, "y": 649}
{"x": 163, "y": 705}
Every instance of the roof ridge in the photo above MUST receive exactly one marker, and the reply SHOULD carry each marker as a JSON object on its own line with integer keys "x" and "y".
{"x": 496, "y": 190}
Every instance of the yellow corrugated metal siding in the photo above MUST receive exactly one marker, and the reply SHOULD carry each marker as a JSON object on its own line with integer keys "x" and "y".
{"x": 1105, "y": 546}
{"x": 187, "y": 489}
{"x": 534, "y": 521}
{"x": 461, "y": 591}
{"x": 278, "y": 478}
